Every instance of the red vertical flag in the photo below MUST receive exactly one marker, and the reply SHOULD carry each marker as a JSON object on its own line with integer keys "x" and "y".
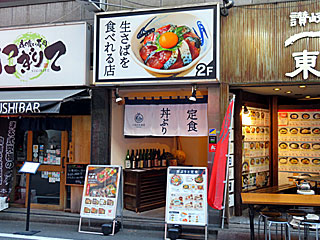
{"x": 218, "y": 172}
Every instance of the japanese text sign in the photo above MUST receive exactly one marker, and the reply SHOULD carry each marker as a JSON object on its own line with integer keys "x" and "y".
{"x": 7, "y": 156}
{"x": 44, "y": 56}
{"x": 174, "y": 45}
{"x": 305, "y": 60}
{"x": 166, "y": 120}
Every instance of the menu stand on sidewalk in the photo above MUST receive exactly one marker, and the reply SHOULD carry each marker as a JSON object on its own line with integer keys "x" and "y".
{"x": 29, "y": 168}
{"x": 186, "y": 202}
{"x": 117, "y": 209}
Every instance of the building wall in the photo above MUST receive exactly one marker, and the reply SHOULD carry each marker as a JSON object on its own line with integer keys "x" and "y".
{"x": 253, "y": 43}
{"x": 65, "y": 11}
{"x": 27, "y": 12}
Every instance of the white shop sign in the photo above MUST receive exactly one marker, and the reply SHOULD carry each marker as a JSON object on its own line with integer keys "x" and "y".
{"x": 44, "y": 56}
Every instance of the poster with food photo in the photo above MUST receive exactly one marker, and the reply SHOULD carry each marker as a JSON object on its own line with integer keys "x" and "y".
{"x": 256, "y": 150}
{"x": 186, "y": 201}
{"x": 158, "y": 46}
{"x": 298, "y": 137}
{"x": 100, "y": 193}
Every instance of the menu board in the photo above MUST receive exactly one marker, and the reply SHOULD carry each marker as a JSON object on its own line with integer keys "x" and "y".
{"x": 186, "y": 202}
{"x": 75, "y": 174}
{"x": 100, "y": 192}
{"x": 255, "y": 148}
{"x": 299, "y": 140}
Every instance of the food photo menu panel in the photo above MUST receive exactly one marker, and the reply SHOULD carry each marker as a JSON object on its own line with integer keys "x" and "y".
{"x": 186, "y": 202}
{"x": 299, "y": 140}
{"x": 255, "y": 148}
{"x": 100, "y": 193}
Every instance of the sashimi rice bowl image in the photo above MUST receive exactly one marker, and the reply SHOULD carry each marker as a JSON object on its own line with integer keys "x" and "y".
{"x": 170, "y": 43}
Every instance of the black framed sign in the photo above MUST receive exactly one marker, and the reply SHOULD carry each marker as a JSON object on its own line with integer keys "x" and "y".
{"x": 164, "y": 46}
{"x": 76, "y": 173}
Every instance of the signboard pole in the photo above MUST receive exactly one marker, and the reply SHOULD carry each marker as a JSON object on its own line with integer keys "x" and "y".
{"x": 28, "y": 204}
{"x": 29, "y": 168}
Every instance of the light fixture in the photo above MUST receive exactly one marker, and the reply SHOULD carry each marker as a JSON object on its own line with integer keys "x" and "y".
{"x": 227, "y": 4}
{"x": 302, "y": 86}
{"x": 288, "y": 92}
{"x": 193, "y": 93}
{"x": 308, "y": 96}
{"x": 116, "y": 94}
{"x": 245, "y": 109}
{"x": 277, "y": 89}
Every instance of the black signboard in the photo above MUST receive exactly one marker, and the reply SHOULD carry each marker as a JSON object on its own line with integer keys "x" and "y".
{"x": 76, "y": 174}
{"x": 7, "y": 150}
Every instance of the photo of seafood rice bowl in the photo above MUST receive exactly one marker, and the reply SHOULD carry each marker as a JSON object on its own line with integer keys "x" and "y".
{"x": 170, "y": 47}
{"x": 172, "y": 44}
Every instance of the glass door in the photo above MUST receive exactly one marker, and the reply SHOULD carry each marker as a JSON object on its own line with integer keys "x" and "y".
{"x": 48, "y": 147}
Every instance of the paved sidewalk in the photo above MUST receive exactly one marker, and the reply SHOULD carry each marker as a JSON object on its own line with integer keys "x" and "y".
{"x": 67, "y": 232}
{"x": 133, "y": 224}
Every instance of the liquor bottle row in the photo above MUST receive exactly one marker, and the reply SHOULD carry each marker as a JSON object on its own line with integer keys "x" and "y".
{"x": 145, "y": 158}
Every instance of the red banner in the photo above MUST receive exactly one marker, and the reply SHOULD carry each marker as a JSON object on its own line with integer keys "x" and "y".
{"x": 218, "y": 172}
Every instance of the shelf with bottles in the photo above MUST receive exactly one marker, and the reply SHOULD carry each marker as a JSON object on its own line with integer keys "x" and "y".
{"x": 146, "y": 158}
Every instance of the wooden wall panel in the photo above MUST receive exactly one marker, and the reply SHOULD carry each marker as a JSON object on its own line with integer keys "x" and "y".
{"x": 81, "y": 145}
{"x": 252, "y": 43}
{"x": 81, "y": 135}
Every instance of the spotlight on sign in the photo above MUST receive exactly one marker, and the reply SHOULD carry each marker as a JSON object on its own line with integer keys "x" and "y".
{"x": 245, "y": 109}
{"x": 227, "y": 4}
{"x": 193, "y": 93}
{"x": 118, "y": 98}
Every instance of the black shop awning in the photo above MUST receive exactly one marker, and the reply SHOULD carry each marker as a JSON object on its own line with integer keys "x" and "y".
{"x": 41, "y": 101}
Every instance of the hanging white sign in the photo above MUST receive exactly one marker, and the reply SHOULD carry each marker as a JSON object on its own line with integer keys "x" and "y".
{"x": 166, "y": 120}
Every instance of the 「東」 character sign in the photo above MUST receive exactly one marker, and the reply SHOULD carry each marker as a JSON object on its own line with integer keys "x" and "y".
{"x": 305, "y": 60}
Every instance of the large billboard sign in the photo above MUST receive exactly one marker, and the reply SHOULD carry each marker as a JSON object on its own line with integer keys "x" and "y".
{"x": 44, "y": 56}
{"x": 157, "y": 46}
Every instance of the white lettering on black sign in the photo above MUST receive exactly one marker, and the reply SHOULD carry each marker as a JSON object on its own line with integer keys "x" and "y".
{"x": 19, "y": 107}
{"x": 7, "y": 143}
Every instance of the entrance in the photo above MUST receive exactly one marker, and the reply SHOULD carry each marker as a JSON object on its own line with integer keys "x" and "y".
{"x": 48, "y": 147}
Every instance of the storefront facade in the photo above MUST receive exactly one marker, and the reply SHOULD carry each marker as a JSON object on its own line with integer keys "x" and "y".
{"x": 270, "y": 63}
{"x": 119, "y": 70}
{"x": 45, "y": 110}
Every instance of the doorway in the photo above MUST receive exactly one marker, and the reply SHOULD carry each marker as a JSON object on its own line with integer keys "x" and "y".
{"x": 50, "y": 149}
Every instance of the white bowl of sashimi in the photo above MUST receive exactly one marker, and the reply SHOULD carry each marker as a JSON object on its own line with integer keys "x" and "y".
{"x": 170, "y": 43}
